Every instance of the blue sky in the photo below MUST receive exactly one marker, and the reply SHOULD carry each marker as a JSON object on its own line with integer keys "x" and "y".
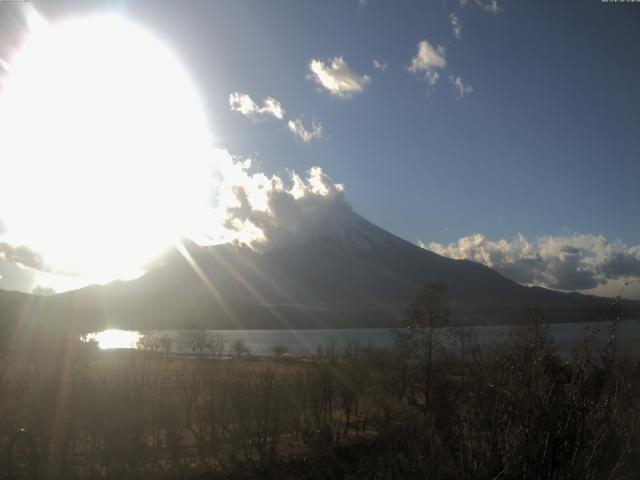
{"x": 545, "y": 141}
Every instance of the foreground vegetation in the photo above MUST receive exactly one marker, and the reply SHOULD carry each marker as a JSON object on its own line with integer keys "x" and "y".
{"x": 422, "y": 409}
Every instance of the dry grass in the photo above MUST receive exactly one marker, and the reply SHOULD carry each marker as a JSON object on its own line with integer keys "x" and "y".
{"x": 515, "y": 411}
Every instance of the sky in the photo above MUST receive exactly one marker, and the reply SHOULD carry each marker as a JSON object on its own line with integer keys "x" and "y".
{"x": 504, "y": 132}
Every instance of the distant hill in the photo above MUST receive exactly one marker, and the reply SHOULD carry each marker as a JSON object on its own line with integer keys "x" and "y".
{"x": 345, "y": 273}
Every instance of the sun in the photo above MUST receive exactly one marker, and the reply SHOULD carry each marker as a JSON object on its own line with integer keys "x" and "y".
{"x": 104, "y": 147}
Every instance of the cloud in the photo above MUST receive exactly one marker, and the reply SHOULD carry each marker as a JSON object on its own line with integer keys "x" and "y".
{"x": 622, "y": 264}
{"x": 378, "y": 65}
{"x": 490, "y": 6}
{"x": 462, "y": 88}
{"x": 25, "y": 257}
{"x": 456, "y": 24}
{"x": 267, "y": 212}
{"x": 21, "y": 255}
{"x": 567, "y": 262}
{"x": 429, "y": 61}
{"x": 243, "y": 103}
{"x": 337, "y": 77}
{"x": 297, "y": 128}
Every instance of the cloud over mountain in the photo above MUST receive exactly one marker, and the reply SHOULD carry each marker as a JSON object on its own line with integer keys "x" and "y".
{"x": 266, "y": 212}
{"x": 567, "y": 262}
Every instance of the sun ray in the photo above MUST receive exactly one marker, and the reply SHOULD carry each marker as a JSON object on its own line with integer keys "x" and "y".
{"x": 262, "y": 301}
{"x": 215, "y": 293}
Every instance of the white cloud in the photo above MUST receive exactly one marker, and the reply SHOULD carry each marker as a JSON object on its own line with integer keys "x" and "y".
{"x": 566, "y": 262}
{"x": 379, "y": 65}
{"x": 244, "y": 104}
{"x": 274, "y": 107}
{"x": 264, "y": 212}
{"x": 462, "y": 88}
{"x": 490, "y": 6}
{"x": 298, "y": 129}
{"x": 456, "y": 24}
{"x": 337, "y": 77}
{"x": 429, "y": 61}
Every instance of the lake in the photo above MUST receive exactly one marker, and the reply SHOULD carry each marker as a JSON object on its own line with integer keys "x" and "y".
{"x": 306, "y": 342}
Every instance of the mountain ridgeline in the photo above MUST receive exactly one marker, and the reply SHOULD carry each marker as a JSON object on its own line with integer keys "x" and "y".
{"x": 345, "y": 273}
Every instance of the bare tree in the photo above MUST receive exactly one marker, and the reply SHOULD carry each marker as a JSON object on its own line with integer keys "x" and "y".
{"x": 462, "y": 336}
{"x": 424, "y": 331}
{"x": 217, "y": 344}
{"x": 197, "y": 340}
{"x": 43, "y": 291}
{"x": 148, "y": 342}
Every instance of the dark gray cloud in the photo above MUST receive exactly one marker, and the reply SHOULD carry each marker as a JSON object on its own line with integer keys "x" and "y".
{"x": 621, "y": 265}
{"x": 22, "y": 255}
{"x": 27, "y": 258}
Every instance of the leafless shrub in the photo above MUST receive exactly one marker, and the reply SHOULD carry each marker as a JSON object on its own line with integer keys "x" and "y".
{"x": 240, "y": 348}
{"x": 279, "y": 350}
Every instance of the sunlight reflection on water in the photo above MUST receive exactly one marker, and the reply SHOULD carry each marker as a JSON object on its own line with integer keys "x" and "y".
{"x": 567, "y": 337}
{"x": 115, "y": 338}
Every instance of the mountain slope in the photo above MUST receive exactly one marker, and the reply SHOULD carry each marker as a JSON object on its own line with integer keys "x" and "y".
{"x": 342, "y": 272}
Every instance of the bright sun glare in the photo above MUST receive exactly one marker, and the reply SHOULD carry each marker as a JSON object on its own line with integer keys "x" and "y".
{"x": 104, "y": 147}
{"x": 115, "y": 339}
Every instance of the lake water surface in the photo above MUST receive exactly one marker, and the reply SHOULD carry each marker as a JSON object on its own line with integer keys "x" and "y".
{"x": 306, "y": 342}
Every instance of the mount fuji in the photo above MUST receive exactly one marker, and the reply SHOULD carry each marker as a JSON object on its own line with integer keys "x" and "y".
{"x": 337, "y": 271}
